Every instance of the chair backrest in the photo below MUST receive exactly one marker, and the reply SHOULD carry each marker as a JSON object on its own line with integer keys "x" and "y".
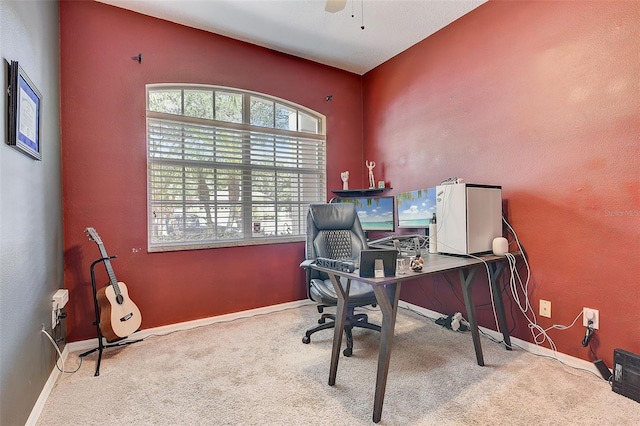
{"x": 334, "y": 231}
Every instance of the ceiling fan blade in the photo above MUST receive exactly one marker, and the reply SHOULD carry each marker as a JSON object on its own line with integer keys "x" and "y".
{"x": 335, "y": 5}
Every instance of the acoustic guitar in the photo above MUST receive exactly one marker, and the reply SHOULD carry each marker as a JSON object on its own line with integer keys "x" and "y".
{"x": 119, "y": 316}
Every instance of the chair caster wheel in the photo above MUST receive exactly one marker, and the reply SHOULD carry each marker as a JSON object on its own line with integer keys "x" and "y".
{"x": 347, "y": 352}
{"x": 306, "y": 340}
{"x": 322, "y": 321}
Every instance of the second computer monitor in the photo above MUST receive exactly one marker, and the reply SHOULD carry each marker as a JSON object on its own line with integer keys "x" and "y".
{"x": 415, "y": 208}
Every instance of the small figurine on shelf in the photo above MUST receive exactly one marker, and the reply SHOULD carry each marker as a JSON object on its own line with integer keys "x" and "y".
{"x": 416, "y": 263}
{"x": 370, "y": 165}
{"x": 345, "y": 180}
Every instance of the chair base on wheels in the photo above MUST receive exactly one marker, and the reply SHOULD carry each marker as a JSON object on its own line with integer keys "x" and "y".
{"x": 352, "y": 320}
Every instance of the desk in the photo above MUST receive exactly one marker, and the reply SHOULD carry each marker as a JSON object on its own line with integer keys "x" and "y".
{"x": 387, "y": 291}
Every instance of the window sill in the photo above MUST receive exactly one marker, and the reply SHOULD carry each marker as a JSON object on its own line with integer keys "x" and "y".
{"x": 224, "y": 244}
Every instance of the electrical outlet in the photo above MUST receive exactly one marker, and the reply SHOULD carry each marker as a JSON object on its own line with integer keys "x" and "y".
{"x": 58, "y": 301}
{"x": 545, "y": 308}
{"x": 593, "y": 315}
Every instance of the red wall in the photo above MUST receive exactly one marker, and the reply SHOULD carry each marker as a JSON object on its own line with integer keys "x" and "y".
{"x": 104, "y": 161}
{"x": 542, "y": 98}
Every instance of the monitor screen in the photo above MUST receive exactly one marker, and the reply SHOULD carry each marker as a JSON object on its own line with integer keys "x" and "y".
{"x": 375, "y": 213}
{"x": 415, "y": 208}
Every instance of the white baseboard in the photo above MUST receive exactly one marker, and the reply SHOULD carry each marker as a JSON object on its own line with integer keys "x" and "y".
{"x": 568, "y": 360}
{"x": 46, "y": 390}
{"x": 165, "y": 329}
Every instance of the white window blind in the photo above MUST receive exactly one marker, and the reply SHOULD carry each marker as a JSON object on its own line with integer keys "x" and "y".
{"x": 220, "y": 183}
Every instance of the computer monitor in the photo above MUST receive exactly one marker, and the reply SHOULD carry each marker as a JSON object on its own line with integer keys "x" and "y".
{"x": 415, "y": 208}
{"x": 376, "y": 214}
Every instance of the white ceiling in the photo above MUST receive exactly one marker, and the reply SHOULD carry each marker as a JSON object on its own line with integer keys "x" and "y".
{"x": 303, "y": 28}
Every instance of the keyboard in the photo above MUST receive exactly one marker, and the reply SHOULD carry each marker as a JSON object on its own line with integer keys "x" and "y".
{"x": 344, "y": 265}
{"x": 408, "y": 245}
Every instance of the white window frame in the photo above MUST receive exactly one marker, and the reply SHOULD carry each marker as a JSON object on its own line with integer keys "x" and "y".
{"x": 249, "y": 156}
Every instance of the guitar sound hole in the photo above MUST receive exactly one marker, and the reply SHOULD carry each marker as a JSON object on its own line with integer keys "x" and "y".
{"x": 119, "y": 299}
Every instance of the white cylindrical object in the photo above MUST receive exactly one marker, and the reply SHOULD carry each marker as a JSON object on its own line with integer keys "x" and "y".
{"x": 401, "y": 267}
{"x": 433, "y": 248}
{"x": 500, "y": 246}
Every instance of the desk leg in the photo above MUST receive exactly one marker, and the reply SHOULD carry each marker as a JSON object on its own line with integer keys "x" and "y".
{"x": 387, "y": 297}
{"x": 496, "y": 268}
{"x": 466, "y": 279}
{"x": 341, "y": 315}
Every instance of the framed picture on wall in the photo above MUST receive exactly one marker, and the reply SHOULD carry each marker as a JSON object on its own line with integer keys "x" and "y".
{"x": 25, "y": 112}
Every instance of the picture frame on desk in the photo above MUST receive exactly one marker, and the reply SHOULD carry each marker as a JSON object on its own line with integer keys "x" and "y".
{"x": 24, "y": 113}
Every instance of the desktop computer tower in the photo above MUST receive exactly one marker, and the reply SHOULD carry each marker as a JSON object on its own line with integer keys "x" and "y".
{"x": 468, "y": 218}
{"x": 626, "y": 374}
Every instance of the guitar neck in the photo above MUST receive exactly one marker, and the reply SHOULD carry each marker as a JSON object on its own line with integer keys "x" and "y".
{"x": 93, "y": 235}
{"x": 107, "y": 264}
{"x": 112, "y": 275}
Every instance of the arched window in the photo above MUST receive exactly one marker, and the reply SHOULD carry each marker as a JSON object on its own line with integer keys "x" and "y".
{"x": 228, "y": 167}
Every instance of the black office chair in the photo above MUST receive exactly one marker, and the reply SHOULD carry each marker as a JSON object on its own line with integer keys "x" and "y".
{"x": 334, "y": 232}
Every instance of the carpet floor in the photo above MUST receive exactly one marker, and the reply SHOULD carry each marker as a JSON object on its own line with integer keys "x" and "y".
{"x": 256, "y": 371}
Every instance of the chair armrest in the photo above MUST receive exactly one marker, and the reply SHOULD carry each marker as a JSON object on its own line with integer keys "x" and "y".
{"x": 306, "y": 264}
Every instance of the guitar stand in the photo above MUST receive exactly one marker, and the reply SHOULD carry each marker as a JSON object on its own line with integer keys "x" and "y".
{"x": 101, "y": 346}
